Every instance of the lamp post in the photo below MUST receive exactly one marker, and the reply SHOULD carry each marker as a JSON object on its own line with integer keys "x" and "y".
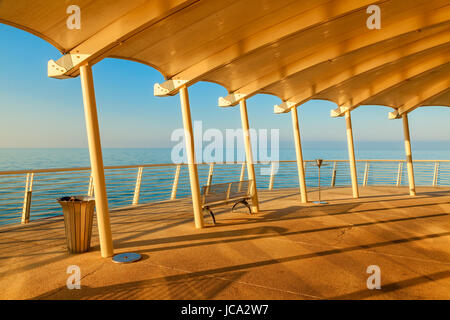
{"x": 319, "y": 163}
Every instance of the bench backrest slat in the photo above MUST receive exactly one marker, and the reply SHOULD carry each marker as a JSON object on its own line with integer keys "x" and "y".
{"x": 215, "y": 193}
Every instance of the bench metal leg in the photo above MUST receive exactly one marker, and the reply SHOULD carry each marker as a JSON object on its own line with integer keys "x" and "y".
{"x": 245, "y": 203}
{"x": 211, "y": 213}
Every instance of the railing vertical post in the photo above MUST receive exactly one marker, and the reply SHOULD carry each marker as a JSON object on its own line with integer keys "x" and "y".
{"x": 436, "y": 174}
{"x": 27, "y": 198}
{"x": 137, "y": 189}
{"x": 210, "y": 174}
{"x": 175, "y": 183}
{"x": 209, "y": 181}
{"x": 333, "y": 177}
{"x": 399, "y": 174}
{"x": 90, "y": 192}
{"x": 272, "y": 174}
{"x": 366, "y": 174}
{"x": 229, "y": 190}
{"x": 242, "y": 176}
{"x": 408, "y": 152}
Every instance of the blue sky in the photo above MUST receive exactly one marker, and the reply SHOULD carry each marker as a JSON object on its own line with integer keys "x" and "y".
{"x": 37, "y": 111}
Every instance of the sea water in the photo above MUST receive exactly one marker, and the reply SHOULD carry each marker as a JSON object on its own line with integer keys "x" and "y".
{"x": 44, "y": 202}
{"x": 45, "y": 158}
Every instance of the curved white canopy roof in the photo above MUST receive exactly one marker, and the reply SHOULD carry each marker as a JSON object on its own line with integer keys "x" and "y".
{"x": 296, "y": 50}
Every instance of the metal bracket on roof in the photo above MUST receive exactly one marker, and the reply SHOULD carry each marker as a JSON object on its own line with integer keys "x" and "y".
{"x": 338, "y": 112}
{"x": 231, "y": 99}
{"x": 284, "y": 107}
{"x": 168, "y": 88}
{"x": 394, "y": 115}
{"x": 59, "y": 69}
{"x": 54, "y": 70}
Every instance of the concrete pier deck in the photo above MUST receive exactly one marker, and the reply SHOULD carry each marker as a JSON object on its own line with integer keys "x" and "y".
{"x": 288, "y": 251}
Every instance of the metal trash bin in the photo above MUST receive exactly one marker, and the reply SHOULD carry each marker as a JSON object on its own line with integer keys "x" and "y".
{"x": 78, "y": 219}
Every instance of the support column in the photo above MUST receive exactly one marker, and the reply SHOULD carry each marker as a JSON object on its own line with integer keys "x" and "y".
{"x": 95, "y": 153}
{"x": 409, "y": 161}
{"x": 249, "y": 155}
{"x": 299, "y": 153}
{"x": 351, "y": 154}
{"x": 192, "y": 163}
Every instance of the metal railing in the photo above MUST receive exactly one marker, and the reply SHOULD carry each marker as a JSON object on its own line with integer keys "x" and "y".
{"x": 28, "y": 195}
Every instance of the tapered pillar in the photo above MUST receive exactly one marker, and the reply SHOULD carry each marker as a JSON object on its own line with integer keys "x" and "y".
{"x": 190, "y": 152}
{"x": 351, "y": 154}
{"x": 409, "y": 161}
{"x": 299, "y": 153}
{"x": 95, "y": 154}
{"x": 249, "y": 155}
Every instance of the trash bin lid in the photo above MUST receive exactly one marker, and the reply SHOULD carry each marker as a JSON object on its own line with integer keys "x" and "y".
{"x": 127, "y": 257}
{"x": 76, "y": 198}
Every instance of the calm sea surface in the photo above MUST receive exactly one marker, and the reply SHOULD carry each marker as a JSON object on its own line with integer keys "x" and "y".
{"x": 157, "y": 182}
{"x": 22, "y": 159}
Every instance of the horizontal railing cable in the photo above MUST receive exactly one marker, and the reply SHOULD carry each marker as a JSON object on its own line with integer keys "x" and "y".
{"x": 34, "y": 192}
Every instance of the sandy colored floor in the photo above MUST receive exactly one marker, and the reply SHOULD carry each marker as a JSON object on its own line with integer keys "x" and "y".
{"x": 288, "y": 251}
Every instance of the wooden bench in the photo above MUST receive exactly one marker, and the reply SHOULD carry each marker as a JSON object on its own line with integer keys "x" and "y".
{"x": 221, "y": 194}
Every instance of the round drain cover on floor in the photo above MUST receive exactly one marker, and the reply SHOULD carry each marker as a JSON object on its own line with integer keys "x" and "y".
{"x": 127, "y": 257}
